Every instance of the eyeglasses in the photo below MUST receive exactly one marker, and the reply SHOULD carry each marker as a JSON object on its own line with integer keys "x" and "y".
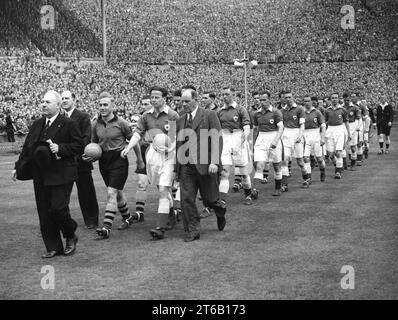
{"x": 103, "y": 104}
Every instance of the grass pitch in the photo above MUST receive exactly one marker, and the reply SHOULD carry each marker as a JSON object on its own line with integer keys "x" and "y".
{"x": 292, "y": 247}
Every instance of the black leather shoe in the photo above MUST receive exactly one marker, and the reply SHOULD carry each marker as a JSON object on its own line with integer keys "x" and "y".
{"x": 70, "y": 246}
{"x": 221, "y": 222}
{"x": 157, "y": 234}
{"x": 191, "y": 237}
{"x": 90, "y": 226}
{"x": 50, "y": 254}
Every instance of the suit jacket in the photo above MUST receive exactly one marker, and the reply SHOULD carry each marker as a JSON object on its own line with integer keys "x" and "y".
{"x": 204, "y": 120}
{"x": 64, "y": 132}
{"x": 384, "y": 116}
{"x": 84, "y": 123}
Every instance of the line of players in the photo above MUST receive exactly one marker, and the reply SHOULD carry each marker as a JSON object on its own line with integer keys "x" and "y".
{"x": 263, "y": 135}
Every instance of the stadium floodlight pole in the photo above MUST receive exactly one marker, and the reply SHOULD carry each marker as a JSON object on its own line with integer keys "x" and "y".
{"x": 243, "y": 62}
{"x": 103, "y": 11}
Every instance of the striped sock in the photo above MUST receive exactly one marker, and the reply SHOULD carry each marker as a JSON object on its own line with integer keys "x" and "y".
{"x": 238, "y": 179}
{"x": 110, "y": 213}
{"x": 140, "y": 197}
{"x": 124, "y": 210}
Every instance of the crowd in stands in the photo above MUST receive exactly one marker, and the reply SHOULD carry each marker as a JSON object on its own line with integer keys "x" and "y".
{"x": 212, "y": 31}
{"x": 178, "y": 42}
{"x": 22, "y": 84}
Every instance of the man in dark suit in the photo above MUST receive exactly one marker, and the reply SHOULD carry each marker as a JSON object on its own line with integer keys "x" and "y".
{"x": 199, "y": 147}
{"x": 85, "y": 185}
{"x": 10, "y": 126}
{"x": 384, "y": 118}
{"x": 48, "y": 156}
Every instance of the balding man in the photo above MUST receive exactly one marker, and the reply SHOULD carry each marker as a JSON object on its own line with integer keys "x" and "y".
{"x": 49, "y": 158}
{"x": 85, "y": 185}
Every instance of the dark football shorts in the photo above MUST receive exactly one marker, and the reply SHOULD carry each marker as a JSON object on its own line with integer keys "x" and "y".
{"x": 383, "y": 128}
{"x": 114, "y": 169}
{"x": 144, "y": 147}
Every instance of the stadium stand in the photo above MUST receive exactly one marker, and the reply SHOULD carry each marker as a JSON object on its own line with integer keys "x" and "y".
{"x": 173, "y": 43}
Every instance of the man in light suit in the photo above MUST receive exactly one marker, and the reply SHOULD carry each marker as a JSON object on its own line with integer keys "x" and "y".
{"x": 198, "y": 163}
{"x": 49, "y": 158}
{"x": 85, "y": 185}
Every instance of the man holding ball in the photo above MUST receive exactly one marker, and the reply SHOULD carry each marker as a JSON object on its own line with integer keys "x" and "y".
{"x": 111, "y": 133}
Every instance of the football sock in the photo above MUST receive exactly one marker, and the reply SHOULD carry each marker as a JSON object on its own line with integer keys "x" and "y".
{"x": 140, "y": 197}
{"x": 124, "y": 210}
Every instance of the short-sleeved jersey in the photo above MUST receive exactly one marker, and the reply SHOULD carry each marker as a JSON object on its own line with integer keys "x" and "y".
{"x": 267, "y": 119}
{"x": 233, "y": 117}
{"x": 364, "y": 110}
{"x": 252, "y": 111}
{"x": 321, "y": 109}
{"x": 111, "y": 136}
{"x": 313, "y": 119}
{"x": 353, "y": 113}
{"x": 293, "y": 116}
{"x": 152, "y": 123}
{"x": 336, "y": 117}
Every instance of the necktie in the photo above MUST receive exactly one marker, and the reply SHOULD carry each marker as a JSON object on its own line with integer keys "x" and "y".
{"x": 48, "y": 122}
{"x": 189, "y": 121}
{"x": 188, "y": 125}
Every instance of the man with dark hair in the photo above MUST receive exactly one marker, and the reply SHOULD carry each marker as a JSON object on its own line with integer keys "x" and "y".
{"x": 192, "y": 173}
{"x": 235, "y": 124}
{"x": 384, "y": 119}
{"x": 209, "y": 99}
{"x": 336, "y": 119}
{"x": 177, "y": 102}
{"x": 268, "y": 126}
{"x": 314, "y": 135}
{"x": 141, "y": 193}
{"x": 292, "y": 138}
{"x": 85, "y": 185}
{"x": 159, "y": 158}
{"x": 10, "y": 126}
{"x": 354, "y": 114}
{"x": 362, "y": 123}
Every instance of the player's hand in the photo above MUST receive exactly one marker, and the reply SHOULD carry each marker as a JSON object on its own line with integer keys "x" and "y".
{"x": 14, "y": 175}
{"x": 322, "y": 142}
{"x": 273, "y": 145}
{"x": 124, "y": 152}
{"x": 140, "y": 164}
{"x": 213, "y": 169}
{"x": 87, "y": 159}
{"x": 389, "y": 124}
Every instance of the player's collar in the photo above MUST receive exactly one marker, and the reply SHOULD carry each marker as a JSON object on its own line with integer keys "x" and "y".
{"x": 114, "y": 118}
{"x": 294, "y": 105}
{"x": 383, "y": 105}
{"x": 164, "y": 109}
{"x": 309, "y": 111}
{"x": 270, "y": 109}
{"x": 233, "y": 105}
{"x": 339, "y": 106}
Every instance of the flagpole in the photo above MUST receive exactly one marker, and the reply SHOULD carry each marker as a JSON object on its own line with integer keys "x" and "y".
{"x": 103, "y": 30}
{"x": 245, "y": 67}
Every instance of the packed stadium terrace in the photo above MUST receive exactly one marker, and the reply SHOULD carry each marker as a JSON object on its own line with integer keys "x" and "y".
{"x": 22, "y": 82}
{"x": 200, "y": 36}
{"x": 208, "y": 31}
